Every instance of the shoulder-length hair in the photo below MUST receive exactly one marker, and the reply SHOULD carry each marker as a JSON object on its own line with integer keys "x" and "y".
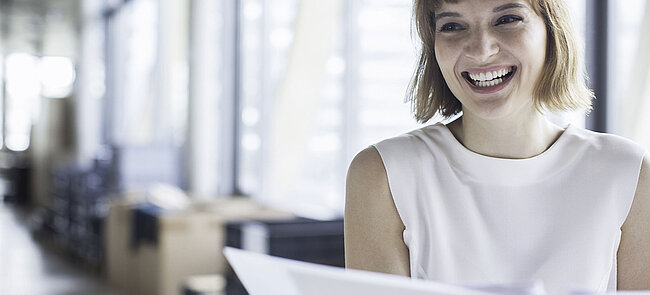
{"x": 561, "y": 85}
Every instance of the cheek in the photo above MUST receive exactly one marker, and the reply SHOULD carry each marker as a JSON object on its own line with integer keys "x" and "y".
{"x": 535, "y": 41}
{"x": 530, "y": 46}
{"x": 446, "y": 57}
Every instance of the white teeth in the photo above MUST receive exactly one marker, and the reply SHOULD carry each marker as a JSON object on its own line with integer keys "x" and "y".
{"x": 482, "y": 77}
{"x": 489, "y": 83}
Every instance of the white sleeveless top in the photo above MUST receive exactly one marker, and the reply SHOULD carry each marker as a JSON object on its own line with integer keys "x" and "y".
{"x": 474, "y": 219}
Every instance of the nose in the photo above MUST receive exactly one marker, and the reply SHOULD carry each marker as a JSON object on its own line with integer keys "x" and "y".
{"x": 481, "y": 46}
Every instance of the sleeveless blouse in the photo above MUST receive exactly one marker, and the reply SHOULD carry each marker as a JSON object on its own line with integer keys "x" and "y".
{"x": 474, "y": 219}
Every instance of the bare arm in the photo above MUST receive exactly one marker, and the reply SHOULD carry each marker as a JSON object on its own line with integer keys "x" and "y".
{"x": 373, "y": 228}
{"x": 634, "y": 251}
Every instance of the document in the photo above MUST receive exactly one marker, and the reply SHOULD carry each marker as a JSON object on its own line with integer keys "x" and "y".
{"x": 266, "y": 275}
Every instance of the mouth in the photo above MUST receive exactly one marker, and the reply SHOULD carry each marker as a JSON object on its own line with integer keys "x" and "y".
{"x": 492, "y": 80}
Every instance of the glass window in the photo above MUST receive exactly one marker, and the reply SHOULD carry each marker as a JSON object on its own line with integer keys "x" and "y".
{"x": 90, "y": 85}
{"x": 2, "y": 99}
{"x": 132, "y": 54}
{"x": 628, "y": 64}
{"x": 291, "y": 104}
{"x": 210, "y": 118}
{"x": 148, "y": 72}
{"x": 22, "y": 99}
{"x": 253, "y": 64}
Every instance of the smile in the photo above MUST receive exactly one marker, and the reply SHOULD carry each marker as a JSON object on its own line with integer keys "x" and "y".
{"x": 489, "y": 79}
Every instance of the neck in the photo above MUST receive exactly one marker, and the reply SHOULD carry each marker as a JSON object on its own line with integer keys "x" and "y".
{"x": 506, "y": 138}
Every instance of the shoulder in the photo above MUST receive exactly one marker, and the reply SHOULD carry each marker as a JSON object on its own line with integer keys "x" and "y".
{"x": 367, "y": 171}
{"x": 420, "y": 135}
{"x": 414, "y": 144}
{"x": 606, "y": 141}
{"x": 368, "y": 158}
{"x": 617, "y": 153}
{"x": 643, "y": 184}
{"x": 644, "y": 174}
{"x": 633, "y": 258}
{"x": 640, "y": 211}
{"x": 645, "y": 166}
{"x": 373, "y": 227}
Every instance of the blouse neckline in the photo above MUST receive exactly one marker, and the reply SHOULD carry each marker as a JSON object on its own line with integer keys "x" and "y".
{"x": 461, "y": 147}
{"x": 503, "y": 171}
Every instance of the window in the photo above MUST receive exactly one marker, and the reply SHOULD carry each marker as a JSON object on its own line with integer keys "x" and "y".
{"x": 148, "y": 74}
{"x": 22, "y": 99}
{"x": 90, "y": 87}
{"x": 291, "y": 104}
{"x": 2, "y": 100}
{"x": 210, "y": 120}
{"x": 629, "y": 63}
{"x": 132, "y": 82}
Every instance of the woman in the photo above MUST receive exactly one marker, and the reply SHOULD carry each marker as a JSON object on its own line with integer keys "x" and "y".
{"x": 501, "y": 195}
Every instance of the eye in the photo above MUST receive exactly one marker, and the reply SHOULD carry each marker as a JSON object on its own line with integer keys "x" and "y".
{"x": 450, "y": 27}
{"x": 507, "y": 19}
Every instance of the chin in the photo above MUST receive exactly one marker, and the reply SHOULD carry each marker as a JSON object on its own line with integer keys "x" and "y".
{"x": 490, "y": 109}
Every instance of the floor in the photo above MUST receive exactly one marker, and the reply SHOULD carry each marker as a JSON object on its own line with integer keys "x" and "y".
{"x": 29, "y": 267}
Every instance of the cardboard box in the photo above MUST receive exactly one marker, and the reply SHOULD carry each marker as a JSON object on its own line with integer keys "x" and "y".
{"x": 120, "y": 257}
{"x": 189, "y": 243}
{"x": 205, "y": 285}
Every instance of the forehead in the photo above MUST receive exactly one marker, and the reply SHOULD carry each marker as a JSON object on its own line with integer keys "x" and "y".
{"x": 439, "y": 5}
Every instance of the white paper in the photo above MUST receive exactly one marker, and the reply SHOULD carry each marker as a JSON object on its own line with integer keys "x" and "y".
{"x": 265, "y": 275}
{"x": 611, "y": 293}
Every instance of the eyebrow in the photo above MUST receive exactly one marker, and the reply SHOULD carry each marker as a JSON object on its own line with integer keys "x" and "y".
{"x": 496, "y": 9}
{"x": 446, "y": 14}
{"x": 508, "y": 6}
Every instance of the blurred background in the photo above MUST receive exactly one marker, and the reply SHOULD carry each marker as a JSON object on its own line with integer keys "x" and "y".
{"x": 138, "y": 137}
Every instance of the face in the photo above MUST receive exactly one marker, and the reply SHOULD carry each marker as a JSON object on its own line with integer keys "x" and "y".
{"x": 491, "y": 54}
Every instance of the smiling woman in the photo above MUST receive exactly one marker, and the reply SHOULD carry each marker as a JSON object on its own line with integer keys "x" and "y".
{"x": 501, "y": 195}
{"x": 509, "y": 38}
{"x": 561, "y": 83}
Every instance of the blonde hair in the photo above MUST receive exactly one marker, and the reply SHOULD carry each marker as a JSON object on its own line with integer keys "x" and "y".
{"x": 561, "y": 85}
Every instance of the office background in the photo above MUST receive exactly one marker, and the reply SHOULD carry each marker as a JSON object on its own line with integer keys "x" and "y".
{"x": 269, "y": 99}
